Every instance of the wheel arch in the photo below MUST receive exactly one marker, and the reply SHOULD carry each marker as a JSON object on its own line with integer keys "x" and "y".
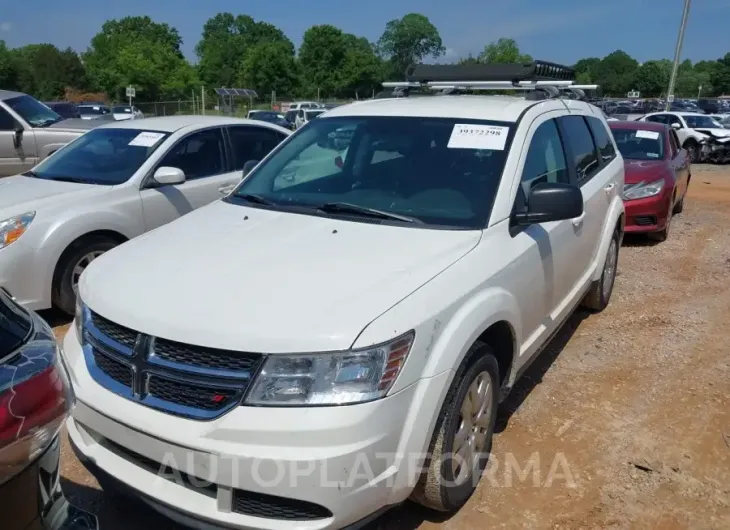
{"x": 112, "y": 235}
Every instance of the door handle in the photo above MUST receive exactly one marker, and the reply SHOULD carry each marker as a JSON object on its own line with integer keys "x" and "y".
{"x": 609, "y": 187}
{"x": 225, "y": 190}
{"x": 578, "y": 221}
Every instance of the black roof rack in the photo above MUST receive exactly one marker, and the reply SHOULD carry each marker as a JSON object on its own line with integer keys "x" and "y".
{"x": 533, "y": 71}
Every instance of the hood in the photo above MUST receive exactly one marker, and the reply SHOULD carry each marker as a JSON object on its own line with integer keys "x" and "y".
{"x": 21, "y": 194}
{"x": 717, "y": 133}
{"x": 75, "y": 124}
{"x": 246, "y": 279}
{"x": 644, "y": 170}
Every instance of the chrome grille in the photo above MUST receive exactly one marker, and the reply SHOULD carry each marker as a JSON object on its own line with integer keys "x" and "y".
{"x": 182, "y": 379}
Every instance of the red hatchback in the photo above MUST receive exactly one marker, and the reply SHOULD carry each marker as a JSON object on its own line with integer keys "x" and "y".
{"x": 657, "y": 175}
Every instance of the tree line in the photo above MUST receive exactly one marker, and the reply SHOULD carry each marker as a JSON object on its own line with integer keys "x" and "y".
{"x": 236, "y": 51}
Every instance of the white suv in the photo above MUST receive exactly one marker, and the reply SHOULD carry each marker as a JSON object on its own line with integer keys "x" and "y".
{"x": 318, "y": 347}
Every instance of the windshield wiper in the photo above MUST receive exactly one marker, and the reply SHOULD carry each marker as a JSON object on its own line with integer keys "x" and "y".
{"x": 257, "y": 199}
{"x": 346, "y": 207}
{"x": 49, "y": 122}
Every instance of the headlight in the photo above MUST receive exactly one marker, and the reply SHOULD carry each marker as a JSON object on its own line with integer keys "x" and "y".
{"x": 79, "y": 318}
{"x": 340, "y": 378}
{"x": 11, "y": 229}
{"x": 643, "y": 190}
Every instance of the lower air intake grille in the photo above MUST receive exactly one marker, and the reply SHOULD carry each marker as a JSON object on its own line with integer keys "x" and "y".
{"x": 645, "y": 220}
{"x": 272, "y": 507}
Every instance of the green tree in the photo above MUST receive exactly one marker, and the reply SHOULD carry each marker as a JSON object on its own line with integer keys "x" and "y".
{"x": 8, "y": 68}
{"x": 362, "y": 70}
{"x": 720, "y": 76}
{"x": 409, "y": 40}
{"x": 225, "y": 43}
{"x": 615, "y": 73}
{"x": 321, "y": 56}
{"x": 585, "y": 70}
{"x": 269, "y": 67}
{"x": 651, "y": 79}
{"x": 45, "y": 71}
{"x": 143, "y": 53}
{"x": 503, "y": 51}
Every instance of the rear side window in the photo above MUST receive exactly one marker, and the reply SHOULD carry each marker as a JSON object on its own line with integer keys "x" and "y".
{"x": 580, "y": 146}
{"x": 658, "y": 118}
{"x": 252, "y": 143}
{"x": 673, "y": 142}
{"x": 602, "y": 139}
{"x": 7, "y": 122}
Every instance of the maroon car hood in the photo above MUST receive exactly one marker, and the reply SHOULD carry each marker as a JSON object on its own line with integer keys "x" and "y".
{"x": 644, "y": 170}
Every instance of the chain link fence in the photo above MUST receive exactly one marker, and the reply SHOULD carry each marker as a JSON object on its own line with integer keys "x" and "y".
{"x": 224, "y": 107}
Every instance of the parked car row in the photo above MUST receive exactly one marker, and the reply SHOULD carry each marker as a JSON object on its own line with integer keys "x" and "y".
{"x": 259, "y": 314}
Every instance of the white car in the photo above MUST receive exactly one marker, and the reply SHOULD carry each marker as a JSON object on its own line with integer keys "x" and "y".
{"x": 692, "y": 129}
{"x": 110, "y": 185}
{"x": 305, "y": 105}
{"x": 306, "y": 115}
{"x": 126, "y": 112}
{"x": 289, "y": 354}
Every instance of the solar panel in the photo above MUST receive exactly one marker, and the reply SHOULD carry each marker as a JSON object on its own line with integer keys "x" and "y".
{"x": 245, "y": 92}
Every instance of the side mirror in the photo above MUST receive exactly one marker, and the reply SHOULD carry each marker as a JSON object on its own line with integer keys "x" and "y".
{"x": 18, "y": 136}
{"x": 247, "y": 167}
{"x": 551, "y": 201}
{"x": 169, "y": 176}
{"x": 676, "y": 125}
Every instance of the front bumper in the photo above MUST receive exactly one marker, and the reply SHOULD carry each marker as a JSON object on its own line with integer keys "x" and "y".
{"x": 23, "y": 273}
{"x": 649, "y": 214}
{"x": 263, "y": 468}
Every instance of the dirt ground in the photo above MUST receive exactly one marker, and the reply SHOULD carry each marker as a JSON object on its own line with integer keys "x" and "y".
{"x": 625, "y": 419}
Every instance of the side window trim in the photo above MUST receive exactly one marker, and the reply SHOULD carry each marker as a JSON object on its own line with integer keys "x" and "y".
{"x": 147, "y": 179}
{"x": 594, "y": 122}
{"x": 517, "y": 184}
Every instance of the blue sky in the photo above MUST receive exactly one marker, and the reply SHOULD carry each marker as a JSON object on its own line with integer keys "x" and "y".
{"x": 555, "y": 30}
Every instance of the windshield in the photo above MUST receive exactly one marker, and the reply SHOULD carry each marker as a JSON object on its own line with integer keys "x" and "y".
{"x": 701, "y": 122}
{"x": 33, "y": 111}
{"x": 101, "y": 156}
{"x": 639, "y": 144}
{"x": 91, "y": 110}
{"x": 121, "y": 109}
{"x": 261, "y": 115}
{"x": 438, "y": 171}
{"x": 313, "y": 114}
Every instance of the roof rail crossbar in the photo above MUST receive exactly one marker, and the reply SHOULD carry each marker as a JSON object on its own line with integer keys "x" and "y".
{"x": 531, "y": 71}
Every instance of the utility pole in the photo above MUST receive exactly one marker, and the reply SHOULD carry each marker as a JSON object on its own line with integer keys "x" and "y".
{"x": 699, "y": 92}
{"x": 677, "y": 55}
{"x": 202, "y": 99}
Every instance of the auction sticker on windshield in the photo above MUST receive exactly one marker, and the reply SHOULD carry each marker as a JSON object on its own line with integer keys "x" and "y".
{"x": 652, "y": 135}
{"x": 146, "y": 139}
{"x": 470, "y": 136}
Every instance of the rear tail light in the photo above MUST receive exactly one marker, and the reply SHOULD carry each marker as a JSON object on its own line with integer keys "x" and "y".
{"x": 35, "y": 397}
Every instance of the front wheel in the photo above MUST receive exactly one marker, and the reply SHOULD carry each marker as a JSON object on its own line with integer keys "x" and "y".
{"x": 462, "y": 439}
{"x": 693, "y": 151}
{"x": 73, "y": 263}
{"x": 600, "y": 292}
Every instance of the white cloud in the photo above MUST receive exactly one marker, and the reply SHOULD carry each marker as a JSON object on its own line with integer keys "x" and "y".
{"x": 5, "y": 27}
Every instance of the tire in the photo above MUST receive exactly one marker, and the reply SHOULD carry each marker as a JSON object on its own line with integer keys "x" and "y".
{"x": 600, "y": 291}
{"x": 443, "y": 486}
{"x": 72, "y": 262}
{"x": 663, "y": 235}
{"x": 679, "y": 207}
{"x": 693, "y": 151}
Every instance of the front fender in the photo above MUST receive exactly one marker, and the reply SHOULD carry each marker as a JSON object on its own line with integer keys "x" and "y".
{"x": 615, "y": 212}
{"x": 62, "y": 233}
